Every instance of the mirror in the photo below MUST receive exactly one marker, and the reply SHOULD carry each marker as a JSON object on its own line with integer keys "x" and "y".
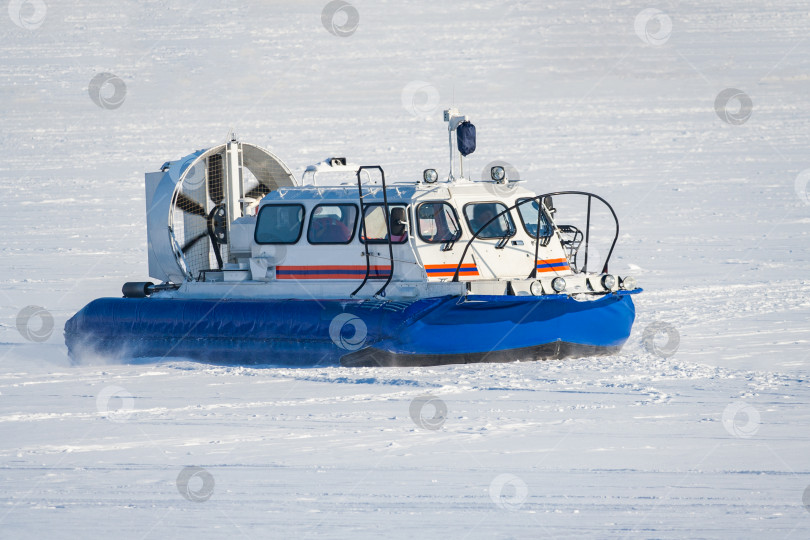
{"x": 399, "y": 221}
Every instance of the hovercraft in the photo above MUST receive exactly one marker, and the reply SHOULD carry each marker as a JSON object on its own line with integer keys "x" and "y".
{"x": 345, "y": 268}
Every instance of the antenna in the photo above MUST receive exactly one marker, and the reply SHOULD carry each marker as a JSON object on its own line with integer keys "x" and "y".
{"x": 453, "y": 119}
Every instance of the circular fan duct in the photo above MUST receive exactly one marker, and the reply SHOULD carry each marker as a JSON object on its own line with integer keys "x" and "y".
{"x": 193, "y": 201}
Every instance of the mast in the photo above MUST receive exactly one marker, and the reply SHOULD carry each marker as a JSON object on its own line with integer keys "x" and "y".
{"x": 453, "y": 119}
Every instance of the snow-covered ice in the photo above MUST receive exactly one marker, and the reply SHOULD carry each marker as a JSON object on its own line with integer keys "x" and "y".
{"x": 714, "y": 203}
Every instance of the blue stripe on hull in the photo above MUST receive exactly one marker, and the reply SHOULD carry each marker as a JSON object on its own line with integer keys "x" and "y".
{"x": 297, "y": 332}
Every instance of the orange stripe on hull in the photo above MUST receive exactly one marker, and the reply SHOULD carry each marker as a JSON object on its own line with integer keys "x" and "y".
{"x": 449, "y": 266}
{"x": 449, "y": 270}
{"x": 553, "y": 269}
{"x": 331, "y": 272}
{"x": 358, "y": 267}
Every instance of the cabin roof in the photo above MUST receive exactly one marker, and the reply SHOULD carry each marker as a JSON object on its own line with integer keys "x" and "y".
{"x": 400, "y": 192}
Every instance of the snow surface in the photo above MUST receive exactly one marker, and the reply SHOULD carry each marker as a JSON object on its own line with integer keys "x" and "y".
{"x": 708, "y": 443}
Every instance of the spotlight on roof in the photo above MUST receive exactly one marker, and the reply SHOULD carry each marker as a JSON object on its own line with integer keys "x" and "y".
{"x": 498, "y": 174}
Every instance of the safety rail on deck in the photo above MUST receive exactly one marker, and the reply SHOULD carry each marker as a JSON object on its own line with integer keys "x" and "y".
{"x": 365, "y": 232}
{"x": 538, "y": 239}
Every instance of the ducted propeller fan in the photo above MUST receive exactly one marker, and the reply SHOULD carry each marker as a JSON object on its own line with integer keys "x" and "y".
{"x": 209, "y": 190}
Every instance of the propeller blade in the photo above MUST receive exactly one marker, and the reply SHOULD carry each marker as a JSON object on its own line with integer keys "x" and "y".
{"x": 190, "y": 206}
{"x": 258, "y": 192}
{"x": 190, "y": 244}
{"x": 215, "y": 178}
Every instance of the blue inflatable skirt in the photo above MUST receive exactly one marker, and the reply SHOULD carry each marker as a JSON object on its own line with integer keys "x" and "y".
{"x": 431, "y": 331}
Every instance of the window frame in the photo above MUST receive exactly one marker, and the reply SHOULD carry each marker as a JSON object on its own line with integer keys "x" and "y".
{"x": 479, "y": 237}
{"x": 355, "y": 226}
{"x": 519, "y": 203}
{"x": 419, "y": 228}
{"x": 388, "y": 227}
{"x": 300, "y": 229}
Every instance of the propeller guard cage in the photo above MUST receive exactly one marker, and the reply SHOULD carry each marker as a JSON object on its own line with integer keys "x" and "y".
{"x": 186, "y": 199}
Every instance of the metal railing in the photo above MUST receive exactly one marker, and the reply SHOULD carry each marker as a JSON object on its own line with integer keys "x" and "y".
{"x": 365, "y": 232}
{"x": 540, "y": 212}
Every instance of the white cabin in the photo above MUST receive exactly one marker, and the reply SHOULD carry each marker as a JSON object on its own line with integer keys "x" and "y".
{"x": 240, "y": 225}
{"x": 309, "y": 242}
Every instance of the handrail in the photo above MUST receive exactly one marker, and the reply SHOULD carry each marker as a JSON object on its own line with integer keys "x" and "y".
{"x": 387, "y": 228}
{"x": 539, "y": 199}
{"x": 362, "y": 223}
{"x": 533, "y": 273}
{"x": 381, "y": 292}
{"x": 587, "y": 234}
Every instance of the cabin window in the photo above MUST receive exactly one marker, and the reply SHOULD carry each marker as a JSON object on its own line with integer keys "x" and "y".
{"x": 528, "y": 208}
{"x": 374, "y": 221}
{"x": 332, "y": 224}
{"x": 438, "y": 223}
{"x": 479, "y": 214}
{"x": 279, "y": 224}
